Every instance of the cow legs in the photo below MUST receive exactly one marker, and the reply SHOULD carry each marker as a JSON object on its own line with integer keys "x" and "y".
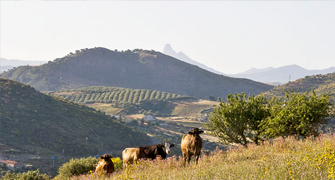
{"x": 184, "y": 158}
{"x": 187, "y": 157}
{"x": 196, "y": 157}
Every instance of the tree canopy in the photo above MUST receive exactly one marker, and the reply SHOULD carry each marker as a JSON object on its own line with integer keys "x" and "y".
{"x": 243, "y": 119}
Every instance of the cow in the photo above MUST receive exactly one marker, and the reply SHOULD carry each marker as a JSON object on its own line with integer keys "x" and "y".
{"x": 105, "y": 165}
{"x": 191, "y": 144}
{"x": 130, "y": 155}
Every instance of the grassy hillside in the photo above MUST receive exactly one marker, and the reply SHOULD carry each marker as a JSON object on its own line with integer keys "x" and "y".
{"x": 279, "y": 159}
{"x": 137, "y": 69}
{"x": 321, "y": 84}
{"x": 36, "y": 123}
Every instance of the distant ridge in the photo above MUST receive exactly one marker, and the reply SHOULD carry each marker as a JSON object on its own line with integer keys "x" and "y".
{"x": 321, "y": 84}
{"x": 137, "y": 69}
{"x": 183, "y": 57}
{"x": 16, "y": 62}
{"x": 6, "y": 64}
{"x": 282, "y": 74}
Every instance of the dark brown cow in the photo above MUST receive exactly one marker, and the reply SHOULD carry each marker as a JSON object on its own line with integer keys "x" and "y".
{"x": 129, "y": 155}
{"x": 105, "y": 165}
{"x": 191, "y": 144}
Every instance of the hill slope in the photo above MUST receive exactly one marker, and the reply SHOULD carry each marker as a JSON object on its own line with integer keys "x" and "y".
{"x": 281, "y": 74}
{"x": 38, "y": 123}
{"x": 137, "y": 69}
{"x": 319, "y": 83}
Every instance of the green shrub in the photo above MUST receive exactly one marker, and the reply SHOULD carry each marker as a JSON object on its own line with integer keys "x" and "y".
{"x": 30, "y": 175}
{"x": 117, "y": 163}
{"x": 76, "y": 167}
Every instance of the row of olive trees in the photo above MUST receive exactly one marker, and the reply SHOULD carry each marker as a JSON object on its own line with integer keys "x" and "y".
{"x": 243, "y": 119}
{"x": 119, "y": 95}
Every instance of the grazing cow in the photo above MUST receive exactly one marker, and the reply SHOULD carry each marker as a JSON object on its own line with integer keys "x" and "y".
{"x": 105, "y": 165}
{"x": 191, "y": 144}
{"x": 129, "y": 155}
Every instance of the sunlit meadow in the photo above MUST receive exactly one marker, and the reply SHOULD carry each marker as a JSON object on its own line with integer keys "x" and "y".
{"x": 312, "y": 158}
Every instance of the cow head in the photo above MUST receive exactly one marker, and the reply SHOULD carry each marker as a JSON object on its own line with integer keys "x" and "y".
{"x": 195, "y": 131}
{"x": 167, "y": 147}
{"x": 106, "y": 159}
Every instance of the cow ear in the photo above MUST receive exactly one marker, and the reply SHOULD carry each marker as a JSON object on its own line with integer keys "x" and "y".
{"x": 201, "y": 131}
{"x": 172, "y": 145}
{"x": 101, "y": 157}
{"x": 191, "y": 132}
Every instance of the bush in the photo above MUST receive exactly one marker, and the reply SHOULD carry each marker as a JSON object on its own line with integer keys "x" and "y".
{"x": 30, "y": 175}
{"x": 118, "y": 164}
{"x": 76, "y": 167}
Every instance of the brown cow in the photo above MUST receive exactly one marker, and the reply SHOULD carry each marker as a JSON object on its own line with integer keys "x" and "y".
{"x": 129, "y": 155}
{"x": 105, "y": 165}
{"x": 191, "y": 144}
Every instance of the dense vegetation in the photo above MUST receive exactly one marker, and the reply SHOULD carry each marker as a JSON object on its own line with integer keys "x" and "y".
{"x": 243, "y": 120}
{"x": 36, "y": 123}
{"x": 30, "y": 175}
{"x": 321, "y": 84}
{"x": 137, "y": 69}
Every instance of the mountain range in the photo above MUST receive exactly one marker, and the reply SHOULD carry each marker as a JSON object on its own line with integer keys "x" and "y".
{"x": 280, "y": 75}
{"x": 6, "y": 64}
{"x": 137, "y": 69}
{"x": 270, "y": 75}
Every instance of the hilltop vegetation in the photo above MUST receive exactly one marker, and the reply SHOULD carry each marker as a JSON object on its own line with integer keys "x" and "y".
{"x": 137, "y": 69}
{"x": 321, "y": 84}
{"x": 36, "y": 123}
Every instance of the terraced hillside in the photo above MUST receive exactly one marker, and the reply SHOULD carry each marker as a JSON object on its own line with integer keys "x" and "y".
{"x": 100, "y": 94}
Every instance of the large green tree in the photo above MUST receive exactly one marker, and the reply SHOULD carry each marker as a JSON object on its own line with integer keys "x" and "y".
{"x": 238, "y": 119}
{"x": 299, "y": 114}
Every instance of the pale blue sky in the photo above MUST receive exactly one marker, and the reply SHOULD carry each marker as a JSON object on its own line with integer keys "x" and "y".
{"x": 228, "y": 36}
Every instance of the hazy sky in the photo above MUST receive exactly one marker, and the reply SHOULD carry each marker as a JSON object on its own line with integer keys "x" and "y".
{"x": 228, "y": 36}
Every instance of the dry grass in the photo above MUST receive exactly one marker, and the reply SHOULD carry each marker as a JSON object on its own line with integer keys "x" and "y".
{"x": 193, "y": 108}
{"x": 312, "y": 158}
{"x": 105, "y": 107}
